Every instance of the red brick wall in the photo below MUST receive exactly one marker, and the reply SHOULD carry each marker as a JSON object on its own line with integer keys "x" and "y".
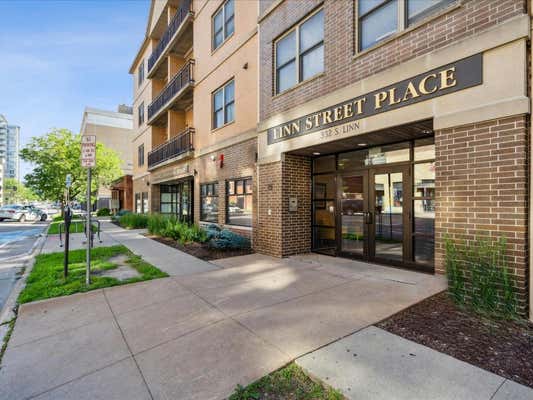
{"x": 296, "y": 226}
{"x": 341, "y": 68}
{"x": 239, "y": 162}
{"x": 481, "y": 188}
{"x": 282, "y": 233}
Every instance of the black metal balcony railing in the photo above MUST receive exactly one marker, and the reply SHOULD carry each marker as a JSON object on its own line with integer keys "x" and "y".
{"x": 183, "y": 78}
{"x": 177, "y": 20}
{"x": 179, "y": 144}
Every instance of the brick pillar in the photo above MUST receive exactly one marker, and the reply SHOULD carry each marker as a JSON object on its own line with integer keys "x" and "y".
{"x": 296, "y": 226}
{"x": 282, "y": 233}
{"x": 481, "y": 189}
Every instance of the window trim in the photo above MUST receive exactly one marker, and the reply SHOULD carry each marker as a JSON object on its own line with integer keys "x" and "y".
{"x": 140, "y": 121}
{"x": 140, "y": 155}
{"x": 224, "y": 105}
{"x": 204, "y": 196}
{"x": 403, "y": 21}
{"x": 227, "y": 195}
{"x": 225, "y": 36}
{"x": 140, "y": 73}
{"x": 298, "y": 56}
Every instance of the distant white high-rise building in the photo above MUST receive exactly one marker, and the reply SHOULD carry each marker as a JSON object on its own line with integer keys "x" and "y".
{"x": 9, "y": 148}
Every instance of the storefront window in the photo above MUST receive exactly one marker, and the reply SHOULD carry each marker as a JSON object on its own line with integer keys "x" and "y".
{"x": 176, "y": 199}
{"x": 388, "y": 154}
{"x": 209, "y": 202}
{"x": 424, "y": 149}
{"x": 424, "y": 182}
{"x": 324, "y": 164}
{"x": 239, "y": 202}
{"x": 352, "y": 160}
{"x": 145, "y": 202}
{"x": 138, "y": 209}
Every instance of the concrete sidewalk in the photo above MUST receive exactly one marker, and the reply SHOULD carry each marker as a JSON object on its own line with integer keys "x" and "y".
{"x": 197, "y": 336}
{"x": 166, "y": 258}
{"x": 374, "y": 364}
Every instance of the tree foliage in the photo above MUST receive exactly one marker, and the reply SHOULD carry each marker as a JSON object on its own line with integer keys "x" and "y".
{"x": 16, "y": 192}
{"x": 57, "y": 154}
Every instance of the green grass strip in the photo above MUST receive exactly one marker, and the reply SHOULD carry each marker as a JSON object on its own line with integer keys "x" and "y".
{"x": 46, "y": 278}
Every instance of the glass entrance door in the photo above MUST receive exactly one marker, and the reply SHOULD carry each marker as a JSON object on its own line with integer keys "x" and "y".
{"x": 389, "y": 204}
{"x": 353, "y": 194}
{"x": 373, "y": 217}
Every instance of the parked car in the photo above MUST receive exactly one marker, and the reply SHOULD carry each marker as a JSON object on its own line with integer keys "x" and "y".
{"x": 22, "y": 213}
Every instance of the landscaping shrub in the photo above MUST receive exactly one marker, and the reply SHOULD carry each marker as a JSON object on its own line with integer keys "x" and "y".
{"x": 226, "y": 239}
{"x": 103, "y": 212}
{"x": 120, "y": 213}
{"x": 133, "y": 221}
{"x": 157, "y": 223}
{"x": 478, "y": 276}
{"x": 169, "y": 226}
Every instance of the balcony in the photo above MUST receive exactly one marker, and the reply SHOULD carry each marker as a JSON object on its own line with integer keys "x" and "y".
{"x": 177, "y": 146}
{"x": 176, "y": 95}
{"x": 176, "y": 39}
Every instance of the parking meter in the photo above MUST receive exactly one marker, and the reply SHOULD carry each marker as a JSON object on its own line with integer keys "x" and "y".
{"x": 68, "y": 219}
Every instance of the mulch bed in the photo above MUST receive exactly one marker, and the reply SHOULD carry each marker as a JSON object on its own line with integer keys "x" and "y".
{"x": 500, "y": 346}
{"x": 201, "y": 250}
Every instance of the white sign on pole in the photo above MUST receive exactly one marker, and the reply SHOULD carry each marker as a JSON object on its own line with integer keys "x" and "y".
{"x": 88, "y": 151}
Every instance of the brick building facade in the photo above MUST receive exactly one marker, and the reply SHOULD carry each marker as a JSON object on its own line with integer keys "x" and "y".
{"x": 368, "y": 130}
{"x": 384, "y": 198}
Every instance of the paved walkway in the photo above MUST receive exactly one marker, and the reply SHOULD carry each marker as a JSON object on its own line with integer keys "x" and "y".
{"x": 166, "y": 258}
{"x": 198, "y": 336}
{"x": 374, "y": 364}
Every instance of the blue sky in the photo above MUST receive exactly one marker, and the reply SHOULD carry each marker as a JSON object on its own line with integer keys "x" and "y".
{"x": 58, "y": 56}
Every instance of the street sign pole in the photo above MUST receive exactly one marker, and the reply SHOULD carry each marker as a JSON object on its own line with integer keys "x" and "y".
{"x": 68, "y": 217}
{"x": 89, "y": 229}
{"x": 88, "y": 160}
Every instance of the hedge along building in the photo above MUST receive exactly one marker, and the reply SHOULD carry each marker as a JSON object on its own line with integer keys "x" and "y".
{"x": 386, "y": 126}
{"x": 195, "y": 105}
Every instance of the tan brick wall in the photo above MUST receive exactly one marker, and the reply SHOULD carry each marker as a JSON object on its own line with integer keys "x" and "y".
{"x": 282, "y": 233}
{"x": 481, "y": 188}
{"x": 341, "y": 68}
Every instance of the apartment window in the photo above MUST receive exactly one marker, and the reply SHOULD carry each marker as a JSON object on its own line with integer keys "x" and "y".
{"x": 300, "y": 52}
{"x": 224, "y": 105}
{"x": 140, "y": 155}
{"x": 379, "y": 19}
{"x": 223, "y": 23}
{"x": 209, "y": 202}
{"x": 140, "y": 73}
{"x": 140, "y": 110}
{"x": 239, "y": 202}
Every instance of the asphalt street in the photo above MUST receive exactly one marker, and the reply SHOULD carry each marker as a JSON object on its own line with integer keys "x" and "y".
{"x": 16, "y": 241}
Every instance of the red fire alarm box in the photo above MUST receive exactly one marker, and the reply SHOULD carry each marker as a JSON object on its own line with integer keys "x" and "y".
{"x": 221, "y": 160}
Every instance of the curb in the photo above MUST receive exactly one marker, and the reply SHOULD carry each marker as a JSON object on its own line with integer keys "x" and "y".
{"x": 8, "y": 311}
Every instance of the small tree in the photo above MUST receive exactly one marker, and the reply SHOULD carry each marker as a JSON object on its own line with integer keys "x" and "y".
{"x": 17, "y": 192}
{"x": 57, "y": 154}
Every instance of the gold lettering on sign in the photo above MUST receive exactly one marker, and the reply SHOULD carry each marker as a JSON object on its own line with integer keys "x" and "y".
{"x": 410, "y": 92}
{"x": 348, "y": 110}
{"x": 380, "y": 98}
{"x": 326, "y": 117}
{"x": 447, "y": 78}
{"x": 337, "y": 114}
{"x": 359, "y": 105}
{"x": 422, "y": 86}
{"x": 392, "y": 97}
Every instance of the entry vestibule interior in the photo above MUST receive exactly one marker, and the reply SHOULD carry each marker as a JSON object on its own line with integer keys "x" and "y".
{"x": 376, "y": 201}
